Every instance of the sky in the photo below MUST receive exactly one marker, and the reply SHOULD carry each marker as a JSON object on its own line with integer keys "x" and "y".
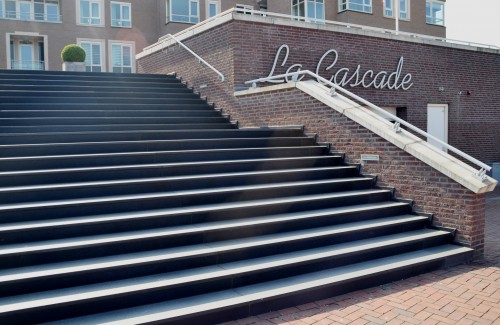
{"x": 473, "y": 20}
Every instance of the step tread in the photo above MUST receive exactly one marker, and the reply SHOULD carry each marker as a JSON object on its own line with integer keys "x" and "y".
{"x": 170, "y": 194}
{"x": 96, "y": 155}
{"x": 176, "y": 252}
{"x": 145, "y": 142}
{"x": 103, "y": 218}
{"x": 247, "y": 293}
{"x": 86, "y": 241}
{"x": 187, "y": 164}
{"x": 164, "y": 179}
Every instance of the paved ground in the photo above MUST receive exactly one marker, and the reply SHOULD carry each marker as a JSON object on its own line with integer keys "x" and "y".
{"x": 468, "y": 294}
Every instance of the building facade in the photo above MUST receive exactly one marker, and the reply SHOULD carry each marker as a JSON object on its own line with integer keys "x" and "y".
{"x": 112, "y": 32}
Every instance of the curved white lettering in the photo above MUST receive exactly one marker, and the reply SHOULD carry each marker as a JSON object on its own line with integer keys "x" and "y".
{"x": 284, "y": 46}
{"x": 336, "y": 57}
{"x": 341, "y": 77}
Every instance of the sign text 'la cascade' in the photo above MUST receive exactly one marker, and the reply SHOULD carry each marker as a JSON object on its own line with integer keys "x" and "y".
{"x": 344, "y": 76}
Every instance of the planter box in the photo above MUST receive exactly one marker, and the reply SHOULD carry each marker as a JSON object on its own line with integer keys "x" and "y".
{"x": 74, "y": 66}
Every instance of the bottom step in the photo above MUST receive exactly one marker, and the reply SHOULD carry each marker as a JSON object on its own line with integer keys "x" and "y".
{"x": 264, "y": 297}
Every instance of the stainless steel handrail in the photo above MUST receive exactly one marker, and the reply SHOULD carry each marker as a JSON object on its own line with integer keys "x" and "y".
{"x": 481, "y": 173}
{"x": 200, "y": 59}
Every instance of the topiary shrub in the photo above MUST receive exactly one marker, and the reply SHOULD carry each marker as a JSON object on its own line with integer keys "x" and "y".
{"x": 73, "y": 53}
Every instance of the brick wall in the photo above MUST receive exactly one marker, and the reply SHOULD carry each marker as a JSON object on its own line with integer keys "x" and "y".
{"x": 243, "y": 51}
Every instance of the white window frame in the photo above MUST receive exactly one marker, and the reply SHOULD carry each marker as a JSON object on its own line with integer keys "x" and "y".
{"x": 101, "y": 13}
{"x": 110, "y": 53}
{"x": 306, "y": 12}
{"x": 120, "y": 22}
{"x": 18, "y": 9}
{"x": 213, "y": 2}
{"x": 102, "y": 42}
{"x": 393, "y": 3}
{"x": 16, "y": 15}
{"x": 190, "y": 16}
{"x": 344, "y": 5}
{"x": 433, "y": 19}
{"x": 244, "y": 9}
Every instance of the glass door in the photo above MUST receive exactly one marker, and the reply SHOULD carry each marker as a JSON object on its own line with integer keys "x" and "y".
{"x": 26, "y": 57}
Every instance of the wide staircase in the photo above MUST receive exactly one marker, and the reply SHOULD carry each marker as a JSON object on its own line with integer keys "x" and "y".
{"x": 128, "y": 199}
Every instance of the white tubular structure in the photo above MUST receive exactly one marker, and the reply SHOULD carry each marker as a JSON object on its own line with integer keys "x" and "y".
{"x": 221, "y": 76}
{"x": 480, "y": 174}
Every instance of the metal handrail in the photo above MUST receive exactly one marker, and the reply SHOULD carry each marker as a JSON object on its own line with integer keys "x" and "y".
{"x": 221, "y": 76}
{"x": 481, "y": 173}
{"x": 268, "y": 14}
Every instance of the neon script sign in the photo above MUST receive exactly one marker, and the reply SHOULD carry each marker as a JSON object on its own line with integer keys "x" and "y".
{"x": 344, "y": 77}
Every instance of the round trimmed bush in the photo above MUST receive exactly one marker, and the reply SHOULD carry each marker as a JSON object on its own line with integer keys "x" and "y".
{"x": 73, "y": 53}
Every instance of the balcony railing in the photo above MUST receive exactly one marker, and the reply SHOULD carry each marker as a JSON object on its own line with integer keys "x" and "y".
{"x": 16, "y": 15}
{"x": 27, "y": 65}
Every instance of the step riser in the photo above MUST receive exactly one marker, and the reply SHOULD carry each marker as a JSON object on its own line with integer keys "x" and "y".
{"x": 138, "y": 136}
{"x": 139, "y": 146}
{"x": 110, "y": 121}
{"x": 134, "y": 84}
{"x": 128, "y": 107}
{"x": 76, "y": 74}
{"x": 170, "y": 88}
{"x": 29, "y": 235}
{"x": 99, "y": 101}
{"x": 96, "y": 276}
{"x": 173, "y": 170}
{"x": 156, "y": 158}
{"x": 48, "y": 194}
{"x": 147, "y": 244}
{"x": 71, "y": 78}
{"x": 116, "y": 127}
{"x": 138, "y": 204}
{"x": 303, "y": 297}
{"x": 108, "y": 114}
{"x": 71, "y": 95}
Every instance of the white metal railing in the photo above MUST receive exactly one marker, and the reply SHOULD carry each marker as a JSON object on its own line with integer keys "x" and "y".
{"x": 481, "y": 174}
{"x": 17, "y": 15}
{"x": 199, "y": 58}
{"x": 27, "y": 65}
{"x": 268, "y": 14}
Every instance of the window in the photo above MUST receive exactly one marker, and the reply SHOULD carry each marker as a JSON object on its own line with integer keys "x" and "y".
{"x": 38, "y": 10}
{"x": 90, "y": 12}
{"x": 121, "y": 14}
{"x": 121, "y": 57}
{"x": 404, "y": 8}
{"x": 213, "y": 8}
{"x": 184, "y": 11}
{"x": 356, "y": 5}
{"x": 94, "y": 54}
{"x": 24, "y": 10}
{"x": 434, "y": 12}
{"x": 244, "y": 9}
{"x": 312, "y": 10}
{"x": 10, "y": 9}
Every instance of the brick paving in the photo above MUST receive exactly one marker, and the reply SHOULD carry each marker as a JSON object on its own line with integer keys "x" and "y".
{"x": 467, "y": 294}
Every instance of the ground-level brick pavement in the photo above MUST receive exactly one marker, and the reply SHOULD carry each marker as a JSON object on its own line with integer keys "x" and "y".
{"x": 467, "y": 294}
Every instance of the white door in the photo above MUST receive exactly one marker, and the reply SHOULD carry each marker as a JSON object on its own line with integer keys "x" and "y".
{"x": 437, "y": 124}
{"x": 26, "y": 57}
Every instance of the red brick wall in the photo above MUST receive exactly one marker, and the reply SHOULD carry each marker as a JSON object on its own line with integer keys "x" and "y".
{"x": 244, "y": 51}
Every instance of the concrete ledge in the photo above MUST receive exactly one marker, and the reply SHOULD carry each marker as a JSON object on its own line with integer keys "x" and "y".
{"x": 231, "y": 15}
{"x": 415, "y": 146}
